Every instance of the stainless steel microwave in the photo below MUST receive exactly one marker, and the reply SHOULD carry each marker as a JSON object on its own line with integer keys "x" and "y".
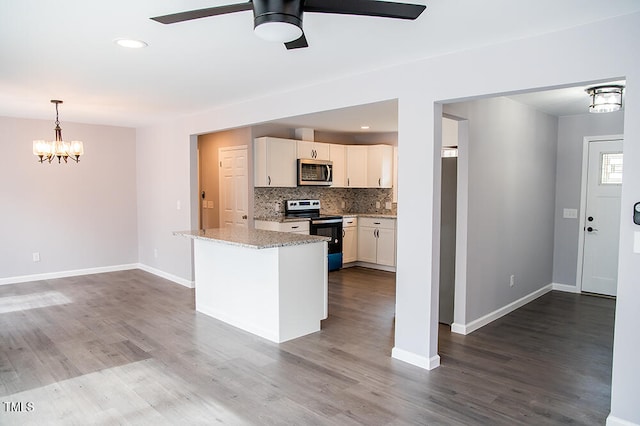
{"x": 314, "y": 172}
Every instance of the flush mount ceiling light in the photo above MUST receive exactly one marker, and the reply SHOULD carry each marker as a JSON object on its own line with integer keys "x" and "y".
{"x": 130, "y": 43}
{"x": 278, "y": 21}
{"x": 47, "y": 150}
{"x": 605, "y": 98}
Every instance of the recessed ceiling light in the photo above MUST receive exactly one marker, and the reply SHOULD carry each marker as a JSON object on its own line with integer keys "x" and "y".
{"x": 364, "y": 127}
{"x": 130, "y": 43}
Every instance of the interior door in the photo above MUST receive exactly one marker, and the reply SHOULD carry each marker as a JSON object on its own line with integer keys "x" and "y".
{"x": 602, "y": 217}
{"x": 233, "y": 187}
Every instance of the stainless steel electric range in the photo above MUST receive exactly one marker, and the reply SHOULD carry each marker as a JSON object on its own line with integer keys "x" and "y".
{"x": 319, "y": 224}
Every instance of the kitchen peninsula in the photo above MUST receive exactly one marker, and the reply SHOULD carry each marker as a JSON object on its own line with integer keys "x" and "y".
{"x": 272, "y": 284}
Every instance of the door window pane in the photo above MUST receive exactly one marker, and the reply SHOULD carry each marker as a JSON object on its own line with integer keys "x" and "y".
{"x": 611, "y": 168}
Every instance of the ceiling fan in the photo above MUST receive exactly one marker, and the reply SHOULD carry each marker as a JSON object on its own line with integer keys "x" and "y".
{"x": 281, "y": 20}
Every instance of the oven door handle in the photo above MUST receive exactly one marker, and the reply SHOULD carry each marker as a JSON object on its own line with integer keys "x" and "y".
{"x": 325, "y": 221}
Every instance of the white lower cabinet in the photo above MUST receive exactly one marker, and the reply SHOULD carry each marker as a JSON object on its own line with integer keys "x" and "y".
{"x": 297, "y": 227}
{"x": 349, "y": 239}
{"x": 377, "y": 241}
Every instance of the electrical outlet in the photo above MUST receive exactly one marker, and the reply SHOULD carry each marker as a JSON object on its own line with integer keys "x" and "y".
{"x": 36, "y": 256}
{"x": 387, "y": 205}
{"x": 512, "y": 280}
{"x": 344, "y": 204}
{"x": 377, "y": 204}
{"x": 155, "y": 253}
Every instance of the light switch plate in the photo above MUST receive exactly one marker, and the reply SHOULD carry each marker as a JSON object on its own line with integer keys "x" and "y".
{"x": 570, "y": 213}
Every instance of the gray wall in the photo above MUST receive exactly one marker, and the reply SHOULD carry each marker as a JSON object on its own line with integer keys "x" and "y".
{"x": 77, "y": 216}
{"x": 511, "y": 201}
{"x": 571, "y": 132}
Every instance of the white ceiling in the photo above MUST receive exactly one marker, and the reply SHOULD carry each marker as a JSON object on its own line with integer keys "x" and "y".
{"x": 65, "y": 50}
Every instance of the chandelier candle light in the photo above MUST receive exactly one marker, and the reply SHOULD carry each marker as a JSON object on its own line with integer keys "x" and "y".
{"x": 47, "y": 150}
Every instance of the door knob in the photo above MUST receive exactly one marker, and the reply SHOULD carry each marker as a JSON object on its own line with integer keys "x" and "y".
{"x": 590, "y": 218}
{"x": 590, "y": 229}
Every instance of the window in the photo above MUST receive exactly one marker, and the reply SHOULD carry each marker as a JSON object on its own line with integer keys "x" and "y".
{"x": 611, "y": 168}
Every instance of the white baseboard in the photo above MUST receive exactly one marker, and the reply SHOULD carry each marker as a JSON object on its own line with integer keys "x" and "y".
{"x": 65, "y": 274}
{"x": 167, "y": 276}
{"x": 565, "y": 287}
{"x": 615, "y": 421}
{"x": 458, "y": 328}
{"x": 415, "y": 359}
{"x": 100, "y": 270}
{"x": 498, "y": 313}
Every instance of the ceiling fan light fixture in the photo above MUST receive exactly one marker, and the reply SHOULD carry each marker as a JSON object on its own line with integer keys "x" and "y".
{"x": 605, "y": 98}
{"x": 276, "y": 30}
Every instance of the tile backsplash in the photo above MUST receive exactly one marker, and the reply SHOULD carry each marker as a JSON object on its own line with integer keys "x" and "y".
{"x": 269, "y": 202}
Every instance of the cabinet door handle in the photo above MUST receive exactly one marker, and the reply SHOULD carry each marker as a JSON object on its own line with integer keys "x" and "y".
{"x": 379, "y": 182}
{"x": 343, "y": 234}
{"x": 348, "y": 182}
{"x": 269, "y": 177}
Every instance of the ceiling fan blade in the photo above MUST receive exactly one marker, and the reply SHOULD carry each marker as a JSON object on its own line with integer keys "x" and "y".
{"x": 297, "y": 44}
{"x": 383, "y": 9}
{"x": 203, "y": 13}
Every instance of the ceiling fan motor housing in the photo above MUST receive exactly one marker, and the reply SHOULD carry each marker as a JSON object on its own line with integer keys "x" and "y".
{"x": 289, "y": 11}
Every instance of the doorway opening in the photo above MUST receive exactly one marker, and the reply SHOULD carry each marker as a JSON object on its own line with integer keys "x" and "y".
{"x": 517, "y": 176}
{"x": 224, "y": 172}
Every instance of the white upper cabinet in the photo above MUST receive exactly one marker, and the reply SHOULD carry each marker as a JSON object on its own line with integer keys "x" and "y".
{"x": 274, "y": 162}
{"x": 313, "y": 150}
{"x": 380, "y": 166}
{"x": 356, "y": 166}
{"x": 338, "y": 155}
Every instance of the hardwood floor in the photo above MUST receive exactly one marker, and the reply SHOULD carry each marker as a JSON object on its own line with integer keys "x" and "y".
{"x": 128, "y": 348}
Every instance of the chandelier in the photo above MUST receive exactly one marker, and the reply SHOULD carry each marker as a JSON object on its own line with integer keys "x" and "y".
{"x": 605, "y": 98}
{"x": 48, "y": 150}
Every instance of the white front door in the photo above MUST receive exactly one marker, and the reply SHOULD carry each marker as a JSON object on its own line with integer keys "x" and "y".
{"x": 233, "y": 187}
{"x": 602, "y": 217}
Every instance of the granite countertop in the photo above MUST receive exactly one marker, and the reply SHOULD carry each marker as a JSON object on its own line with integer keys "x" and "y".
{"x": 282, "y": 219}
{"x": 374, "y": 215}
{"x": 252, "y": 238}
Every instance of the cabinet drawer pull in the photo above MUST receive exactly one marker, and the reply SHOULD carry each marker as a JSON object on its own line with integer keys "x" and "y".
{"x": 295, "y": 227}
{"x": 376, "y": 223}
